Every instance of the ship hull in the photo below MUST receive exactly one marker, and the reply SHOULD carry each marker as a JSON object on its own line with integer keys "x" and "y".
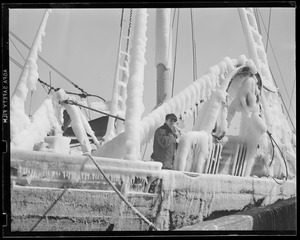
{"x": 55, "y": 192}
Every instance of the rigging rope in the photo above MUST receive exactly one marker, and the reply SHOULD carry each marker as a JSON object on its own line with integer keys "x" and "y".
{"x": 292, "y": 94}
{"x": 194, "y": 56}
{"x": 71, "y": 102}
{"x": 268, "y": 30}
{"x": 279, "y": 72}
{"x": 257, "y": 20}
{"x": 84, "y": 93}
{"x": 284, "y": 160}
{"x": 283, "y": 103}
{"x": 120, "y": 194}
{"x": 274, "y": 57}
{"x": 175, "y": 57}
{"x": 17, "y": 49}
{"x": 50, "y": 87}
{"x": 194, "y": 47}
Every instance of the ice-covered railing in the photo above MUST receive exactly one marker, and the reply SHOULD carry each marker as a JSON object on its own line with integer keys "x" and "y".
{"x": 182, "y": 104}
{"x": 27, "y": 82}
{"x": 186, "y": 101}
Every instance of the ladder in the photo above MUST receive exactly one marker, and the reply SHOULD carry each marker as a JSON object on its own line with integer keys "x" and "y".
{"x": 119, "y": 93}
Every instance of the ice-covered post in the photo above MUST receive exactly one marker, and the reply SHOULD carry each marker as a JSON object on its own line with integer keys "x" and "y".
{"x": 135, "y": 87}
{"x": 163, "y": 55}
{"x": 27, "y": 82}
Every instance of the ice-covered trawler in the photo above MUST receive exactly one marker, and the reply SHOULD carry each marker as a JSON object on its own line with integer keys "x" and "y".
{"x": 214, "y": 172}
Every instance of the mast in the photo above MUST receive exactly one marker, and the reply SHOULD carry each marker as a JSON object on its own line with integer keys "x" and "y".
{"x": 135, "y": 88}
{"x": 269, "y": 93}
{"x": 27, "y": 81}
{"x": 163, "y": 55}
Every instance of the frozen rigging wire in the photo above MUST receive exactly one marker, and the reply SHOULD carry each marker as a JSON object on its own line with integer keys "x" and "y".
{"x": 293, "y": 90}
{"x": 71, "y": 102}
{"x": 274, "y": 56}
{"x": 279, "y": 72}
{"x": 194, "y": 46}
{"x": 284, "y": 103}
{"x": 17, "y": 49}
{"x": 175, "y": 57}
{"x": 121, "y": 196}
{"x": 268, "y": 29}
{"x": 257, "y": 20}
{"x": 45, "y": 84}
{"x": 194, "y": 55}
{"x": 284, "y": 160}
{"x": 84, "y": 93}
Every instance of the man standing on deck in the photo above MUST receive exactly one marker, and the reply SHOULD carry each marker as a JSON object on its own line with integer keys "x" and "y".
{"x": 164, "y": 144}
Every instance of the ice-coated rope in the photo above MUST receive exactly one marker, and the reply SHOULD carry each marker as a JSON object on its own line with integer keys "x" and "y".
{"x": 120, "y": 194}
{"x": 71, "y": 102}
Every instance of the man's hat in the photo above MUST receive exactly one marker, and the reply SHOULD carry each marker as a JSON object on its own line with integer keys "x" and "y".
{"x": 172, "y": 116}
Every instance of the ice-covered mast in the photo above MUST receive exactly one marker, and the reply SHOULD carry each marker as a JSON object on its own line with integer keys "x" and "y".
{"x": 163, "y": 55}
{"x": 272, "y": 112}
{"x": 27, "y": 82}
{"x": 134, "y": 101}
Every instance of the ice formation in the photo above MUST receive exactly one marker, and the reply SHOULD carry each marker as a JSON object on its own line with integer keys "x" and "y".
{"x": 79, "y": 123}
{"x": 134, "y": 101}
{"x": 272, "y": 112}
{"x": 27, "y": 82}
{"x": 200, "y": 143}
{"x": 49, "y": 116}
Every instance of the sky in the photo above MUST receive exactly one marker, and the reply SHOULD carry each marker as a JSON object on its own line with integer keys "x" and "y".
{"x": 82, "y": 44}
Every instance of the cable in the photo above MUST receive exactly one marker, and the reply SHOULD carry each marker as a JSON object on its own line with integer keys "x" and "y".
{"x": 175, "y": 57}
{"x": 284, "y": 104}
{"x": 59, "y": 197}
{"x": 71, "y": 102}
{"x": 268, "y": 30}
{"x": 17, "y": 49}
{"x": 280, "y": 75}
{"x": 275, "y": 59}
{"x": 84, "y": 93}
{"x": 257, "y": 20}
{"x": 120, "y": 194}
{"x": 292, "y": 94}
{"x": 193, "y": 46}
{"x": 194, "y": 56}
{"x": 284, "y": 160}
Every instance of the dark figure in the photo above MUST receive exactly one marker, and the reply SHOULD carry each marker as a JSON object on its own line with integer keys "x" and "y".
{"x": 164, "y": 144}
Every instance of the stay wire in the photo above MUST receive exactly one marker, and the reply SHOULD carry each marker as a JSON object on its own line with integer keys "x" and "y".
{"x": 175, "y": 57}
{"x": 43, "y": 83}
{"x": 120, "y": 194}
{"x": 59, "y": 197}
{"x": 71, "y": 102}
{"x": 293, "y": 90}
{"x": 277, "y": 64}
{"x": 283, "y": 103}
{"x": 84, "y": 93}
{"x": 279, "y": 72}
{"x": 17, "y": 49}
{"x": 284, "y": 160}
{"x": 194, "y": 55}
{"x": 268, "y": 29}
